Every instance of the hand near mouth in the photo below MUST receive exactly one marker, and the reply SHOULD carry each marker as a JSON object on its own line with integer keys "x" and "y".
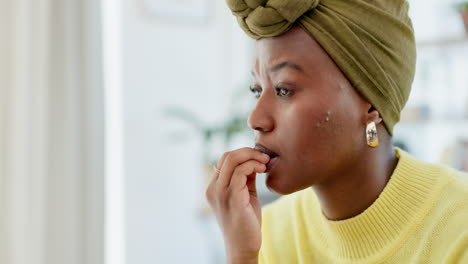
{"x": 233, "y": 196}
{"x": 274, "y": 157}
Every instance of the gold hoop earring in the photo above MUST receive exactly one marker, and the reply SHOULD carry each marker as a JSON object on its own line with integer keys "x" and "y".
{"x": 371, "y": 135}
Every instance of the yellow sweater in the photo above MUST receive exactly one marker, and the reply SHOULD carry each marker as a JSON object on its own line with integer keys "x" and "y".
{"x": 420, "y": 217}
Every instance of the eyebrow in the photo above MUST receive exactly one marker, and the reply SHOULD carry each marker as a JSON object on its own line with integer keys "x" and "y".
{"x": 284, "y": 64}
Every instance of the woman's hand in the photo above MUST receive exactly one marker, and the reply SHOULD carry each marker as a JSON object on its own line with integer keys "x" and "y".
{"x": 232, "y": 195}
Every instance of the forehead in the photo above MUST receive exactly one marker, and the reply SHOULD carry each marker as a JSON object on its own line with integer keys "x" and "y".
{"x": 299, "y": 48}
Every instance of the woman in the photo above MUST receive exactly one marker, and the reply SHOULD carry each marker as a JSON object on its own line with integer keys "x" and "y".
{"x": 331, "y": 78}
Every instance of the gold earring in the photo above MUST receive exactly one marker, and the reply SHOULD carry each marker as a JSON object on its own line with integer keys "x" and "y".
{"x": 371, "y": 135}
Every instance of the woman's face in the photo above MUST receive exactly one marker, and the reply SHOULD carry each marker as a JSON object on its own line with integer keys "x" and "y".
{"x": 307, "y": 112}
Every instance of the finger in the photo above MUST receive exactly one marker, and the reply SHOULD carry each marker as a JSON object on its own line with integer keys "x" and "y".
{"x": 219, "y": 165}
{"x": 225, "y": 155}
{"x": 251, "y": 181}
{"x": 216, "y": 172}
{"x": 214, "y": 175}
{"x": 234, "y": 159}
{"x": 246, "y": 173}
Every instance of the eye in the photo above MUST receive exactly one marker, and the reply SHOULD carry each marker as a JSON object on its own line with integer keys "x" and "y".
{"x": 282, "y": 92}
{"x": 256, "y": 91}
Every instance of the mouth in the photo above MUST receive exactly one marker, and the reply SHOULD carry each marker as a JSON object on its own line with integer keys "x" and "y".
{"x": 274, "y": 157}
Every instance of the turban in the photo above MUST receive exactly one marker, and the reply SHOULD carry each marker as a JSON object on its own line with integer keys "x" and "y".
{"x": 371, "y": 41}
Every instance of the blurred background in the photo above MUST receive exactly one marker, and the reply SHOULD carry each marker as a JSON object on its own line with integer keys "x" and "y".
{"x": 112, "y": 112}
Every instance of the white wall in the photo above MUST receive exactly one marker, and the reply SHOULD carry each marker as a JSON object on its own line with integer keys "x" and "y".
{"x": 51, "y": 133}
{"x": 440, "y": 84}
{"x": 172, "y": 64}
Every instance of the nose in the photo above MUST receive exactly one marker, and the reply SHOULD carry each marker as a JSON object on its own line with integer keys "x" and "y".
{"x": 261, "y": 119}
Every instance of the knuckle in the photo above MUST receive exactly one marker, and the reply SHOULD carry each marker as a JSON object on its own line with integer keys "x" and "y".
{"x": 233, "y": 157}
{"x": 223, "y": 157}
{"x": 238, "y": 156}
{"x": 247, "y": 167}
{"x": 208, "y": 194}
{"x": 229, "y": 159}
{"x": 240, "y": 170}
{"x": 261, "y": 166}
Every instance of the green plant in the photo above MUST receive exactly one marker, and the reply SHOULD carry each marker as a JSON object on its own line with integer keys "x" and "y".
{"x": 234, "y": 125}
{"x": 463, "y": 9}
{"x": 463, "y": 6}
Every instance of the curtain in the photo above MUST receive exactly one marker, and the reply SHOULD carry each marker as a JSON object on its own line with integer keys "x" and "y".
{"x": 51, "y": 132}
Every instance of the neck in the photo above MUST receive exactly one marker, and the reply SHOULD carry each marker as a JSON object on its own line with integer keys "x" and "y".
{"x": 353, "y": 191}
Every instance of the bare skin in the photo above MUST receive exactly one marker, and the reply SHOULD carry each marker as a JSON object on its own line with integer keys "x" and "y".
{"x": 310, "y": 115}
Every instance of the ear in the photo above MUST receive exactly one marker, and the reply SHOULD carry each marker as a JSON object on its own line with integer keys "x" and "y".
{"x": 372, "y": 115}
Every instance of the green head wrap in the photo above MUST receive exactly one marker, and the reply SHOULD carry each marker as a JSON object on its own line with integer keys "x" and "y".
{"x": 371, "y": 41}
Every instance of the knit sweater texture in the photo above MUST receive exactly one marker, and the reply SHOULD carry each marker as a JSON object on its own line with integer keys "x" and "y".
{"x": 421, "y": 216}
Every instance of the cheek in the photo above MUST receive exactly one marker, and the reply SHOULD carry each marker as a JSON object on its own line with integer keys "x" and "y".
{"x": 307, "y": 131}
{"x": 348, "y": 122}
{"x": 308, "y": 128}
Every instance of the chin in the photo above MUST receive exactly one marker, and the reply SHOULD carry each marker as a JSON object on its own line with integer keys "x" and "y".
{"x": 275, "y": 185}
{"x": 283, "y": 185}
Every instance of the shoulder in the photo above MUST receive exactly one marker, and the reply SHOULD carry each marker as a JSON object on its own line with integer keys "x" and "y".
{"x": 457, "y": 252}
{"x": 447, "y": 222}
{"x": 450, "y": 208}
{"x": 457, "y": 177}
{"x": 452, "y": 183}
{"x": 456, "y": 188}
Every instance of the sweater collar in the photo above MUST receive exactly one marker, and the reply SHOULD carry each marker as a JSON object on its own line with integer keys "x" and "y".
{"x": 399, "y": 208}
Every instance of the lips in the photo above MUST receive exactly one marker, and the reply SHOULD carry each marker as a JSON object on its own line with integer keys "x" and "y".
{"x": 265, "y": 150}
{"x": 274, "y": 157}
